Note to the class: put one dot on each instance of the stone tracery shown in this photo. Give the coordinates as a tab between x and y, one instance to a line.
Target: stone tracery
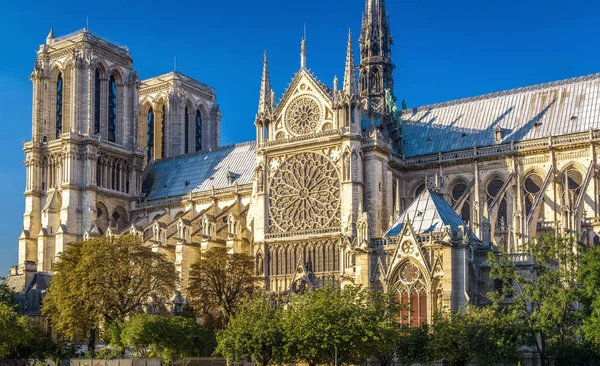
303	116
304	194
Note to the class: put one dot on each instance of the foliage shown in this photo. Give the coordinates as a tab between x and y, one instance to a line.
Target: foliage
254	332
319	323
589	280
21	337
412	343
483	335
103	280
166	337
7	295
544	302
218	280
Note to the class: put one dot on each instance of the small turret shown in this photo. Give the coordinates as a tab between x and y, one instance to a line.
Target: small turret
50	36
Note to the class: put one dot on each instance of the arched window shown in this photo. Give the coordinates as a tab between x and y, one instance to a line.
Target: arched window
198	138
162	132
532	187
112	109
186	128
412	295
150	135
59	104
493	189
457	191
97	102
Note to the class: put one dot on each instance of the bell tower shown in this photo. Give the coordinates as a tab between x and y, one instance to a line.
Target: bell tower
375	58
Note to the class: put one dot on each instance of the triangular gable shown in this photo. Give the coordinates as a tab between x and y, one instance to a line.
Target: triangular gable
318	87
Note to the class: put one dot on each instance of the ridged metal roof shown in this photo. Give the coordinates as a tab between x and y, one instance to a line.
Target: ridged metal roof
201	172
555	108
428	213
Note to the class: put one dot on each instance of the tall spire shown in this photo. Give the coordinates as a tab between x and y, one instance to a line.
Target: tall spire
303	53
350	73
265	103
375	57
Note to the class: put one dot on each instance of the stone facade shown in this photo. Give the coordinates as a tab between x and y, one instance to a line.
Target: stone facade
339	186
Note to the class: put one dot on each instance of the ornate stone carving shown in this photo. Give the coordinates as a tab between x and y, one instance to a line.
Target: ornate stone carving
303	115
304	194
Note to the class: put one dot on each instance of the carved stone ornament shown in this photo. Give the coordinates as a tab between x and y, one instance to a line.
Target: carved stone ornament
303	116
305	194
410	273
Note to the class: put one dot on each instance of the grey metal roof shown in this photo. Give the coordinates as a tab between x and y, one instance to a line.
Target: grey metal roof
201	171
555	108
428	213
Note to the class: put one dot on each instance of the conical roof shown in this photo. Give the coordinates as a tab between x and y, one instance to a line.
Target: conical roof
428	213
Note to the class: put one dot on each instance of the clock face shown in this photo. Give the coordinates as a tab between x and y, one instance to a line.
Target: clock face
303	116
410	273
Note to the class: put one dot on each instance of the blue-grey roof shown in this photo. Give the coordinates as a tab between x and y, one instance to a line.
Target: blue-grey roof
428	213
201	172
556	108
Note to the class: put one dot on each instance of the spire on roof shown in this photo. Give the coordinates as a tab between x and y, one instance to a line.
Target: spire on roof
303	53
50	35
265	103
350	70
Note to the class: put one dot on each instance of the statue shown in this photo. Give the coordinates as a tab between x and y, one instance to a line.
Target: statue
392	107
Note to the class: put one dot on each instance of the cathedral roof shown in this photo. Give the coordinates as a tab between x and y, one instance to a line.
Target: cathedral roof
556	108
428	213
199	172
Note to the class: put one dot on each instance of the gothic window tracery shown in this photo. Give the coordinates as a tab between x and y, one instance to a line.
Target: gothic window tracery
572	184
97	91
531	188
59	104
186	129
493	189
303	115
304	194
112	109
198	129
456	193
412	294
150	134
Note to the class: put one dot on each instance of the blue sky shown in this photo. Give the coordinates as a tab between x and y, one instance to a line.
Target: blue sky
443	50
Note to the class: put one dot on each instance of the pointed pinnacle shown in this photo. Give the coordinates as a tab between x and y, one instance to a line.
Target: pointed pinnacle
265	102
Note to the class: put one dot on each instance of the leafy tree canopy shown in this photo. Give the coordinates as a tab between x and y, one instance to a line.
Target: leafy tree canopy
254	332
104	280
218	280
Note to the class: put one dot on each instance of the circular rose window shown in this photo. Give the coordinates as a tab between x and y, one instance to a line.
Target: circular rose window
303	115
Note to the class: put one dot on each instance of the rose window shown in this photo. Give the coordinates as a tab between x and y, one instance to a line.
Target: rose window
410	273
304	194
303	116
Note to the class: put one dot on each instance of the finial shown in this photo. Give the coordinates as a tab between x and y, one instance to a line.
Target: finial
350	69
265	103
335	83
303	54
50	35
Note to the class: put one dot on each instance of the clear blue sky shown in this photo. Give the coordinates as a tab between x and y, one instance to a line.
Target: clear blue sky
443	50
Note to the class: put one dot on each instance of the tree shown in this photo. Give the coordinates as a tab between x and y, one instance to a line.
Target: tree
254	332
325	323
20	337
168	337
545	300
7	295
103	280
218	280
484	335
589	280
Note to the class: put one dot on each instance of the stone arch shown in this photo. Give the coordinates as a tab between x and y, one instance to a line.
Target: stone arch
499	215
457	189
532	184
411	287
417	189
119	218
102	217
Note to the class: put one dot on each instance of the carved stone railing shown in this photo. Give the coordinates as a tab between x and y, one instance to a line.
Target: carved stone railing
270	143
383	242
590	221
521	258
546	225
503	149
303	233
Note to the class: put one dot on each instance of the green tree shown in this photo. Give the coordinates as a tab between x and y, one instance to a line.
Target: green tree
166	337
589	280
544	300
254	332
20	336
483	335
412	345
322	323
104	280
218	280
7	295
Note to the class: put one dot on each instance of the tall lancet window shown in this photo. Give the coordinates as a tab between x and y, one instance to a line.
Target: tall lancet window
162	132
112	109
198	138
186	128
150	135
97	102
59	105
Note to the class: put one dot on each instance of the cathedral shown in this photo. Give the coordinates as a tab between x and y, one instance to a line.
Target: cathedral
340	185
